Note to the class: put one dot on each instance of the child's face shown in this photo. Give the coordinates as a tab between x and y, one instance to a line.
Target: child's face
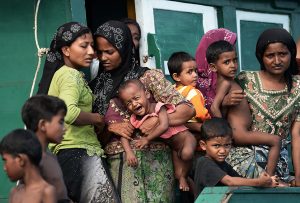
217	148
12	166
227	64
55	128
188	75
136	99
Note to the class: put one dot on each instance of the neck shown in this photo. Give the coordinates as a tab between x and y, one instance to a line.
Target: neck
43	140
272	77
32	175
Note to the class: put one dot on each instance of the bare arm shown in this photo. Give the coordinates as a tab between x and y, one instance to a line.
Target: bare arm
194	126
296	150
163	124
264	180
222	91
130	156
85	118
239	118
49	195
123	129
183	113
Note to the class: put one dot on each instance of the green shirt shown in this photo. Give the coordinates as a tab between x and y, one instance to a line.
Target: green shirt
69	85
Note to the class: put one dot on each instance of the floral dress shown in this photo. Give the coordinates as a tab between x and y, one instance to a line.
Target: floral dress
272	112
153	179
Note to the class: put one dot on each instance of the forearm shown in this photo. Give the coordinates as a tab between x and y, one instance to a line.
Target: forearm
273	159
126	145
296	151
238	181
85	118
194	126
183	113
158	131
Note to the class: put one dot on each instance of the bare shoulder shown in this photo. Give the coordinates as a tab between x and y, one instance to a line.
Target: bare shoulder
49	193
235	86
16	194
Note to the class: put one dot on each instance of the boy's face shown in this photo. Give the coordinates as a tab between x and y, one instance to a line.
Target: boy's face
135	99
12	166
55	128
217	148
188	75
226	65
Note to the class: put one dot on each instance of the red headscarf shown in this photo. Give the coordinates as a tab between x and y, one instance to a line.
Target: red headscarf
208	79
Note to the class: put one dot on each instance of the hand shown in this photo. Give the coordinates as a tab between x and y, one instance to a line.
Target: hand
99	123
131	159
149	125
141	142
122	129
233	98
265	180
275	181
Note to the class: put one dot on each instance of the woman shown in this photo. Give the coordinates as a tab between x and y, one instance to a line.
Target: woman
273	95
208	79
152	179
79	154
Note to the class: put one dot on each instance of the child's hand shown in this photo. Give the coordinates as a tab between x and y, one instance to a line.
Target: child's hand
131	159
265	180
142	142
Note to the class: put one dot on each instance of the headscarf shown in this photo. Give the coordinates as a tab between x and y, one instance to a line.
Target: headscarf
64	36
274	35
207	79
105	86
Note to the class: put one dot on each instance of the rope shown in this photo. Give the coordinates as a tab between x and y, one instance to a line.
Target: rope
41	51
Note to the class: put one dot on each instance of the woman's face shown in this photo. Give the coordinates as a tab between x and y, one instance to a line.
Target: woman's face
276	58
136	35
80	52
107	54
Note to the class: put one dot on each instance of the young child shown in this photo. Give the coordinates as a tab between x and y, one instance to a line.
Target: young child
22	152
212	169
136	98
44	115
222	58
183	70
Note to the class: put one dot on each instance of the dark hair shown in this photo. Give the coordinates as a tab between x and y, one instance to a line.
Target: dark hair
215	49
136	82
274	35
22	141
176	60
215	127
128	21
41	107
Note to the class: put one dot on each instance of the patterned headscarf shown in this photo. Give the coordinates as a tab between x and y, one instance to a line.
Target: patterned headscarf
106	83
208	79
274	35
64	36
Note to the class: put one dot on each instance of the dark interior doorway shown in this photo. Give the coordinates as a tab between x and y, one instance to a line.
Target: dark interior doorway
100	11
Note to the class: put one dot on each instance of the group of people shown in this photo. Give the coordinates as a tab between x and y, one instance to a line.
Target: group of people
117	137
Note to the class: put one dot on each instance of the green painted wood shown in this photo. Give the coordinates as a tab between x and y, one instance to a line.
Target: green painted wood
250	32
248	195
18	56
174	36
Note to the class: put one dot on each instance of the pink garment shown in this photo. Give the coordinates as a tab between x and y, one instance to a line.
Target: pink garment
171	130
208	79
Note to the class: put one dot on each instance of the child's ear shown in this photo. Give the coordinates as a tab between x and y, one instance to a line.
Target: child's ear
65	50
42	125
212	67
202	145
21	159
175	77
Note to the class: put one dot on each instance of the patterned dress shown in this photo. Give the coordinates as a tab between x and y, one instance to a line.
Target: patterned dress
272	112
153	179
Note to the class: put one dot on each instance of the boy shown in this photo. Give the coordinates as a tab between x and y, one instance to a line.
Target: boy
221	57
22	152
44	115
211	169
182	68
